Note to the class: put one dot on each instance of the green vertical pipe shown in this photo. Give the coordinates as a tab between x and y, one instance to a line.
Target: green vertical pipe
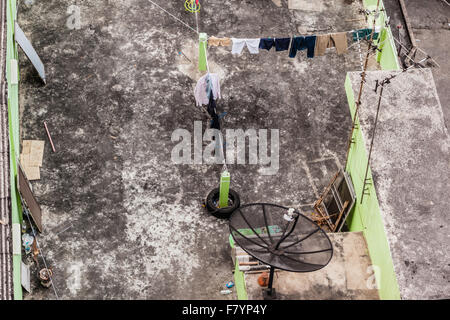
202	38
225	179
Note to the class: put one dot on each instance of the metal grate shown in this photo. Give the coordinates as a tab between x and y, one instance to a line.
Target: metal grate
336	201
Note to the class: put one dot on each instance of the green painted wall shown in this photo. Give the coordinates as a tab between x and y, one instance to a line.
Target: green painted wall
14	137
387	58
366	217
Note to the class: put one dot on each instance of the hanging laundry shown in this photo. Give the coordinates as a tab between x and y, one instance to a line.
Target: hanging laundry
282	44
212	110
302	43
215	123
333	40
322	44
224	42
208	86
340	42
208	83
239	44
266	43
365	34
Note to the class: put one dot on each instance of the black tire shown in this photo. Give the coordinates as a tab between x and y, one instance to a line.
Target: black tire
222	213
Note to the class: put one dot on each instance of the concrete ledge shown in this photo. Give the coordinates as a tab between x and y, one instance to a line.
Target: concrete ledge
349	275
409	165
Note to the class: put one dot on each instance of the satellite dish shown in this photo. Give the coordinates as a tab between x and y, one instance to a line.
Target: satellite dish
281	238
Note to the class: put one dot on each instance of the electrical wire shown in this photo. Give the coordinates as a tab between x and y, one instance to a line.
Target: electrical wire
196	31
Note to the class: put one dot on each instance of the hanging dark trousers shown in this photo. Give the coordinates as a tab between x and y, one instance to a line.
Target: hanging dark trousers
302	43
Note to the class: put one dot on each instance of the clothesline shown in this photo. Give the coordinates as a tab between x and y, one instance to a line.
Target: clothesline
209	84
184	23
316	45
377	30
196	31
210	81
196	20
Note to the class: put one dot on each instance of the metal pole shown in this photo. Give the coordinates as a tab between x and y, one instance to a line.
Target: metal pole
371	143
269	287
202	38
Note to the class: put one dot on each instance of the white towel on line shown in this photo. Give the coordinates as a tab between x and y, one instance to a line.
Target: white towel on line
239	44
200	89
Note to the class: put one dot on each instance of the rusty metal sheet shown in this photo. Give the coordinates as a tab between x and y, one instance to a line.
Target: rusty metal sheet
29	198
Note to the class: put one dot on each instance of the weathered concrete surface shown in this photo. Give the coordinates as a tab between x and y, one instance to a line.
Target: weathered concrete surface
410	168
431	27
348	276
122	221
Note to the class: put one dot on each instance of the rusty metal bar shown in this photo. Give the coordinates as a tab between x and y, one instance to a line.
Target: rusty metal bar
49	137
340	216
373	138
363	76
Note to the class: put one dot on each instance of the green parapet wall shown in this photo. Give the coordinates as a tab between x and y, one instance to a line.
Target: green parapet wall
366	217
14	138
239	280
387	58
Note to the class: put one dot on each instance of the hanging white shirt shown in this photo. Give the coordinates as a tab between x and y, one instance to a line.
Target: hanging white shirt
200	92
239	44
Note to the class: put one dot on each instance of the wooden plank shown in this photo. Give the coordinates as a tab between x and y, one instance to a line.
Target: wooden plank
32	173
29	198
408	23
36	153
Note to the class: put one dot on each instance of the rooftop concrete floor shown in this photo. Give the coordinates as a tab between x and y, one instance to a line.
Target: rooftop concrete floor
349	275
121	220
410	168
431	27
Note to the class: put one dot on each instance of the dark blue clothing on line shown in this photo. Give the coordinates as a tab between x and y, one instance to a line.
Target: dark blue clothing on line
282	44
364	34
266	43
302	43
